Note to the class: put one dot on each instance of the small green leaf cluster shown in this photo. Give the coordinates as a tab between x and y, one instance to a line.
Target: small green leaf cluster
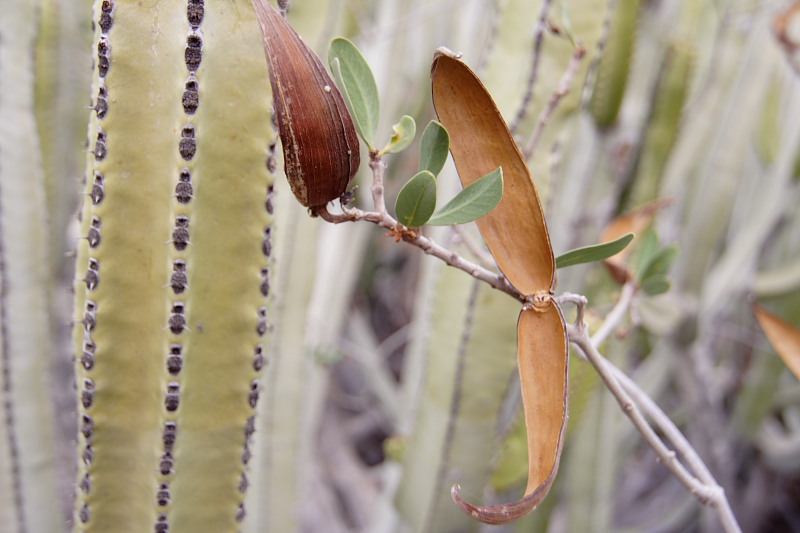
416	202
360	92
653	264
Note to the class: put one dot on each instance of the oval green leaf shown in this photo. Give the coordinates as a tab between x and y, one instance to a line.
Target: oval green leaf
434	148
477	200
655	285
404	132
659	264
416	200
597	252
355	79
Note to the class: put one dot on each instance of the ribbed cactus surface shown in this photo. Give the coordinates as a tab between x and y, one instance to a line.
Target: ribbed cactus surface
174	270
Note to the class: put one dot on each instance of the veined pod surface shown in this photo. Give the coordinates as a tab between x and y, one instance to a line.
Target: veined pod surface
320	146
517	236
172	295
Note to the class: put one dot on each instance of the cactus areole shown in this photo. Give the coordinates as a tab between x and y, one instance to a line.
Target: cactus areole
320	146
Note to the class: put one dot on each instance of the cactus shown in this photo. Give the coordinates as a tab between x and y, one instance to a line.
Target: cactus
614	65
664	122
174	268
29	501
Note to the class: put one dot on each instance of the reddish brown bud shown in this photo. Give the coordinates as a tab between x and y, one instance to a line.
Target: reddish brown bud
320	146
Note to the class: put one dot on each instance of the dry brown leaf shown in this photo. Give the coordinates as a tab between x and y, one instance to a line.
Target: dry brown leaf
516	234
320	146
785	26
636	222
480	142
543	369
784	337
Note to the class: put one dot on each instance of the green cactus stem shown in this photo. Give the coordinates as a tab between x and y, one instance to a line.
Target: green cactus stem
663	127
612	71
174	269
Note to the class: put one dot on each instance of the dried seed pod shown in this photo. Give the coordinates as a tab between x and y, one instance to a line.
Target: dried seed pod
320	146
517	236
480	142
543	370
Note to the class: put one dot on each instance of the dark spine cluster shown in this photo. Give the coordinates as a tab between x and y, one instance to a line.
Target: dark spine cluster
180	242
96	194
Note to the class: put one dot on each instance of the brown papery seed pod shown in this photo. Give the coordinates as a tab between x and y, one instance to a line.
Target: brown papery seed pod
320	146
516	233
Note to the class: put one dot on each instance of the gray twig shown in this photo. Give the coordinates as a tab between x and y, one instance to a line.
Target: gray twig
635	403
564	86
538	38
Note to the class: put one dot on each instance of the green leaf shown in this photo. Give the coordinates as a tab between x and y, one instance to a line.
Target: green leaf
360	92
404	132
659	264
656	285
646	250
416	200
596	252
473	202
434	148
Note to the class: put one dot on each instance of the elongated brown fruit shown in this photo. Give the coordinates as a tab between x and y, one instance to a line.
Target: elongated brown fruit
320	146
517	236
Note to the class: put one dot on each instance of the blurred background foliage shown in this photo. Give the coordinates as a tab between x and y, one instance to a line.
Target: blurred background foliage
392	376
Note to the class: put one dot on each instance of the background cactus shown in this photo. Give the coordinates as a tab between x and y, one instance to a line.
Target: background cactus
371	340
28	481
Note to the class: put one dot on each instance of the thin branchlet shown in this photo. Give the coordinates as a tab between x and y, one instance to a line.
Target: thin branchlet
637	405
382	218
538	39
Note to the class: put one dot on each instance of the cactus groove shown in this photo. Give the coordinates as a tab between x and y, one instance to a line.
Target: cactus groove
174	267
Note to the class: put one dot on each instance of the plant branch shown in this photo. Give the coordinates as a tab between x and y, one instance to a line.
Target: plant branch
634	403
378	170
616	315
480	253
538	38
564	86
414	236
